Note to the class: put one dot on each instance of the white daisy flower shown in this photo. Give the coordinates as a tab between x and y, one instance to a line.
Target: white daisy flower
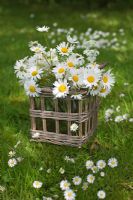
64	49
101	164
72	40
90	178
11	153
72	61
47	198
36	135
59	70
101	194
95	90
104	92
125	84
34	73
69	195
102	174
121	95
61	170
74	127
20	159
85	186
125	116
76	96
21	68
108	79
93	66
77	180
12	162
37	48
49	170
76	76
32	88
42	29
68	159
90	44
94	169
118	118
64	185
91	78
89	164
37	184
131	120
112	162
91	55
118	109
61	88
2	188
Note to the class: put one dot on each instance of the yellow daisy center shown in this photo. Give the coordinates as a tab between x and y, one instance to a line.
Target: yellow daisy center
70	64
69	194
34	73
37	49
32	88
62	88
66	184
90	79
64	49
91	178
75	78
61	70
105	79
103	90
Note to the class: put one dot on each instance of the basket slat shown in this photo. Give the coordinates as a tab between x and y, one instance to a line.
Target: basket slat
43	109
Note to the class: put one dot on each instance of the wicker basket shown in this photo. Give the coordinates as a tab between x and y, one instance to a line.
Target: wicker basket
52	118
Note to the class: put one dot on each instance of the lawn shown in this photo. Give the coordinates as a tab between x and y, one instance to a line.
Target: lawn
17	28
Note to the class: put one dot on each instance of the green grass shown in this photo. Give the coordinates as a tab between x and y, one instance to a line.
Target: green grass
110	140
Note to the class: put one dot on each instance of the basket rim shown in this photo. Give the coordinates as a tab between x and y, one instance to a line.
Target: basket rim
48	90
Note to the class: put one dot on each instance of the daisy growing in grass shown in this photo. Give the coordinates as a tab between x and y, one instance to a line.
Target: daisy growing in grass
112	162
77	180
64	69
42	29
37	184
90	178
64	185
101	194
12	162
69	195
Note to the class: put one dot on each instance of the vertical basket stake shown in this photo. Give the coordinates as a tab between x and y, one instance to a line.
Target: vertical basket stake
43	109
69	111
56	121
32	107
80	123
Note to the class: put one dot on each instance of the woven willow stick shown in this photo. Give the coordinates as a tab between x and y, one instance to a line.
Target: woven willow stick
44	123
86	110
89	108
80	124
33	119
69	111
56	120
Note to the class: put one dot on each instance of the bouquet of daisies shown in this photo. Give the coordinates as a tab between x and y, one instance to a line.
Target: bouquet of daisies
64	69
